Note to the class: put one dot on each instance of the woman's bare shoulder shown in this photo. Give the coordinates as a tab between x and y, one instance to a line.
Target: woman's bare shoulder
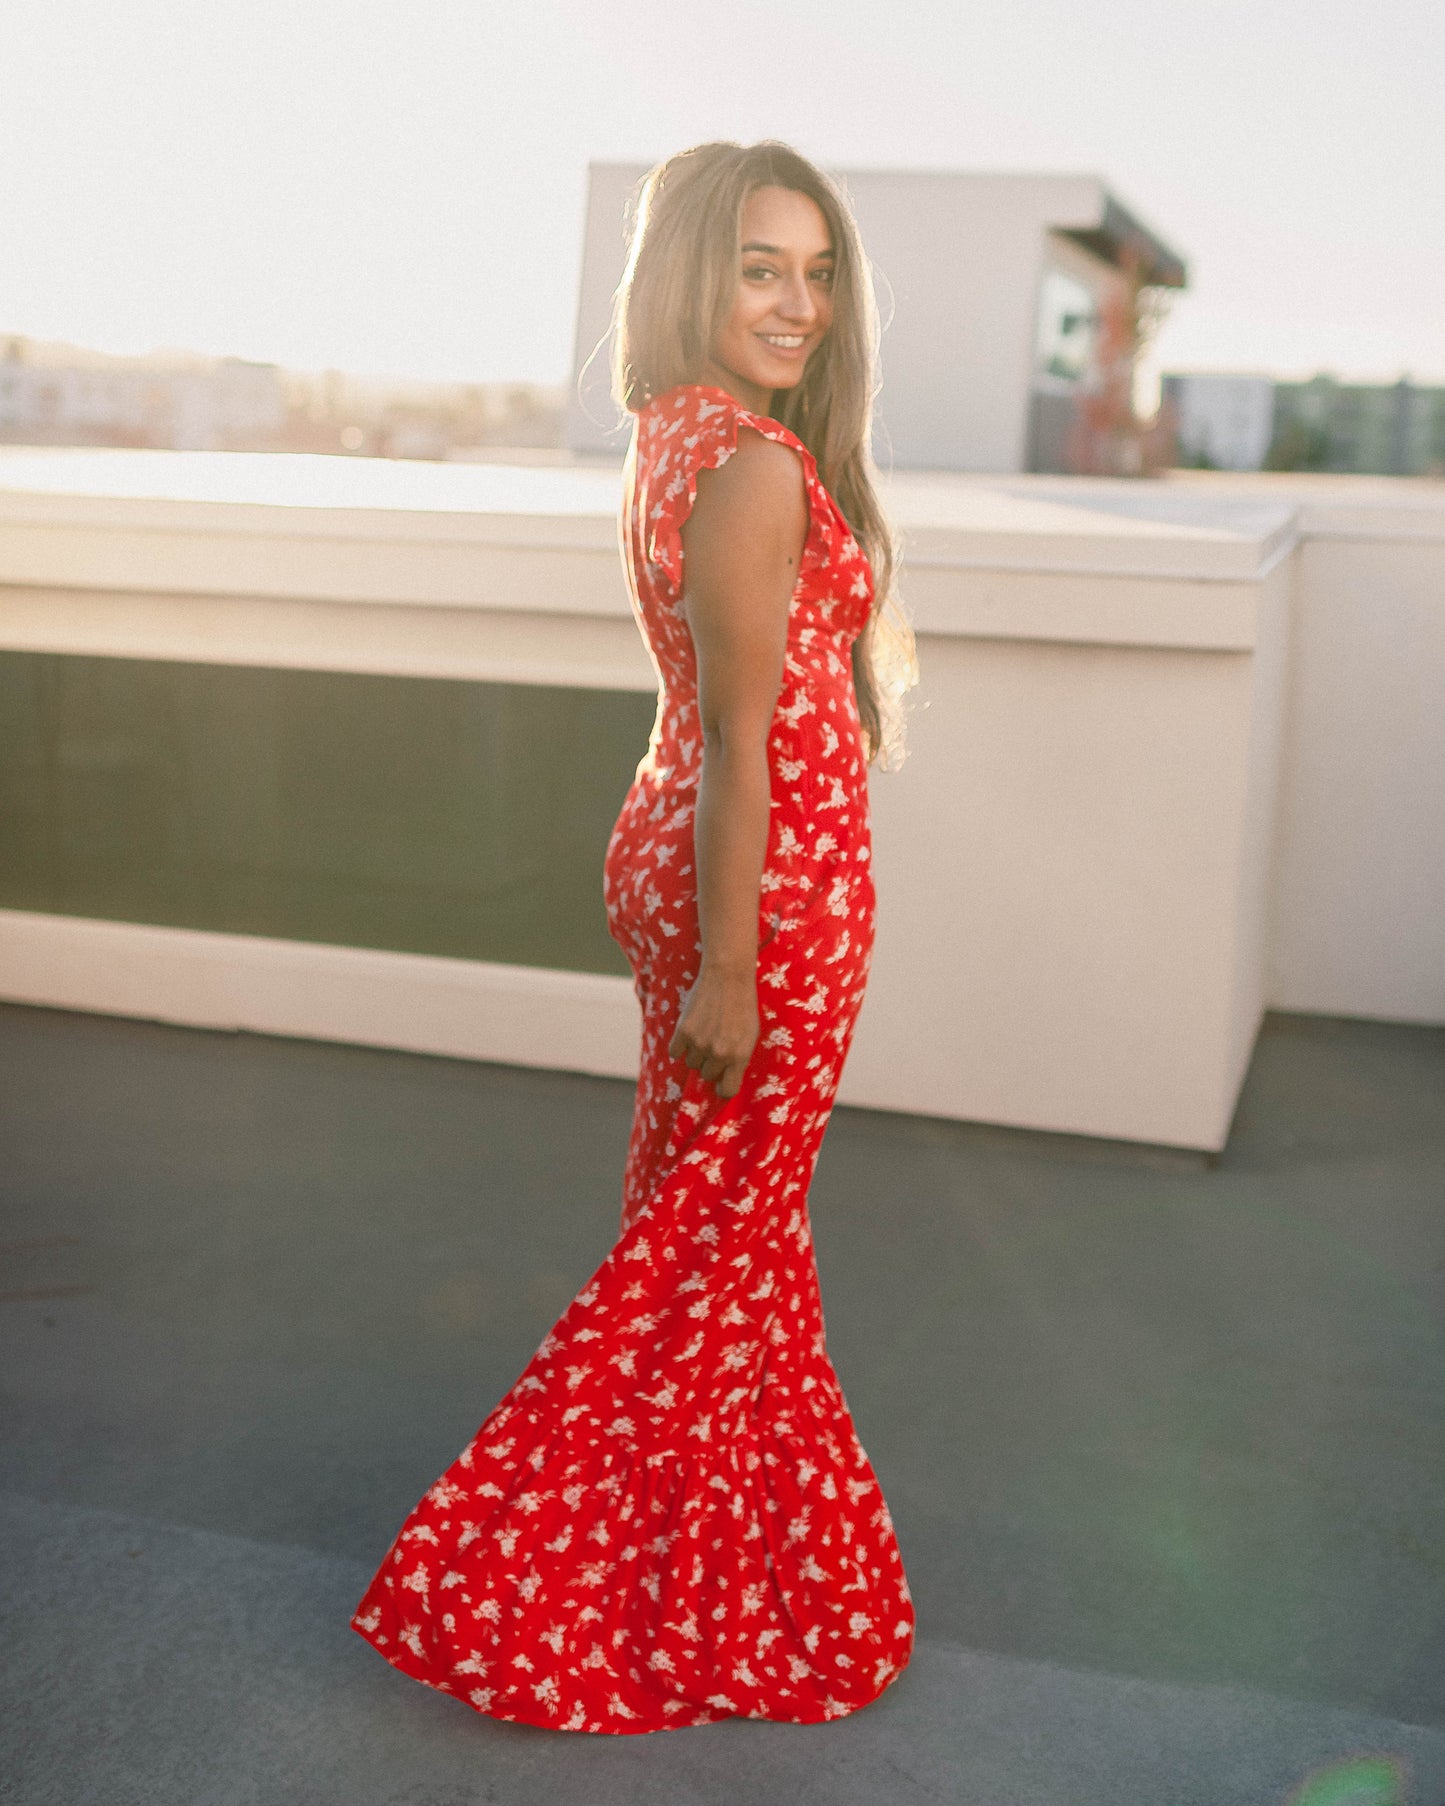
762	477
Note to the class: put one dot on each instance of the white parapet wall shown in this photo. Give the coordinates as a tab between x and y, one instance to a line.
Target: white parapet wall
1358	898
1175	758
1074	863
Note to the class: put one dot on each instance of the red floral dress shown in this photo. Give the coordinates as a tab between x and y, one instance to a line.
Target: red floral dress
669	1518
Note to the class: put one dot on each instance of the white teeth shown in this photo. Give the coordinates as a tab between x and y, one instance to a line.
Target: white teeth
776	338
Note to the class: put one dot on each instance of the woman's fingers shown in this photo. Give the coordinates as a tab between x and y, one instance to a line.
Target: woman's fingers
724	1070
730	1074
709	1039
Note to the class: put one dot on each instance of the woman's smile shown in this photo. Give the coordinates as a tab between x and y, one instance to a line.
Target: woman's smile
785	344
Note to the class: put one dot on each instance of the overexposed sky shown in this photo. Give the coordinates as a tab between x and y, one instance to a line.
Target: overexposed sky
399	188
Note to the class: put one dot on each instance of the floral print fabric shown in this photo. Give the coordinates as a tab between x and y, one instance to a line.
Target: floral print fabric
669	1518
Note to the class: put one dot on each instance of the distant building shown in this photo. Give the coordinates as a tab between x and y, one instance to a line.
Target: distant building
1009	341
58	394
68	395
45	403
233	403
1221	422
1395	429
1255	423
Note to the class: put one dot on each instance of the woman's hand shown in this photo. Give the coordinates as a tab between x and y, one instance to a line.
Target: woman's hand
719	1026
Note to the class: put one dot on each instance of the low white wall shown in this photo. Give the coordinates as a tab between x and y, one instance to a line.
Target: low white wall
1358	925
1074	934
468	1009
1175	759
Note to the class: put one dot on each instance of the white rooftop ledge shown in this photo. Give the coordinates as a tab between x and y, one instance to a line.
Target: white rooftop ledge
1151	563
960	521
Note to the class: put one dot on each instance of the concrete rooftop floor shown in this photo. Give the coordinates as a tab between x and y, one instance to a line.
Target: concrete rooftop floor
1162	1437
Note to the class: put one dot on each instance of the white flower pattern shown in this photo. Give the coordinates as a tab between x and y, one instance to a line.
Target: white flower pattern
669	1518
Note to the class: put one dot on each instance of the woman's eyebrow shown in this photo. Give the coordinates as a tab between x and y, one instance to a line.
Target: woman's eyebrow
776	251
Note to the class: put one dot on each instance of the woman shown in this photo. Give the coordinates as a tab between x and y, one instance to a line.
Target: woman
669	1518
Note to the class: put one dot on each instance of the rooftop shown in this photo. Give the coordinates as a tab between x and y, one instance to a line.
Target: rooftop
1161	1433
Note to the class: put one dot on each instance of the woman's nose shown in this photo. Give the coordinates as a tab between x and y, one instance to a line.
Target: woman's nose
796	302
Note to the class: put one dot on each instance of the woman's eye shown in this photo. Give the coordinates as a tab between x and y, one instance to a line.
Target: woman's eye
761	272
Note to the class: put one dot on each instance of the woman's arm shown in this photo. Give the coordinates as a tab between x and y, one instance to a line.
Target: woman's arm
741	547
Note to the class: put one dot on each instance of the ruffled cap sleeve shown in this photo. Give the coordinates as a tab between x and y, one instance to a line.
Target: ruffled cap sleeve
701	436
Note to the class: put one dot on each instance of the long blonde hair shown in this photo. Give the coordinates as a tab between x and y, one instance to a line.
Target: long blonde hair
674	298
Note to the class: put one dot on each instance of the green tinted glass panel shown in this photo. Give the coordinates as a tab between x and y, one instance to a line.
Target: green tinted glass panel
416	814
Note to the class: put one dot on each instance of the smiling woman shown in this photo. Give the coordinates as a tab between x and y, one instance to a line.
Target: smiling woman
669	1518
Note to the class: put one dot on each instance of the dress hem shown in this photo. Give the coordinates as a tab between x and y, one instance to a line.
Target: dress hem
404	1664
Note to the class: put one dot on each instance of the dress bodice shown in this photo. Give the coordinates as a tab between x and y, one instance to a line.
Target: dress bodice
686	430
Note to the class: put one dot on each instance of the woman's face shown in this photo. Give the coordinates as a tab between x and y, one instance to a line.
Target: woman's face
783	306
